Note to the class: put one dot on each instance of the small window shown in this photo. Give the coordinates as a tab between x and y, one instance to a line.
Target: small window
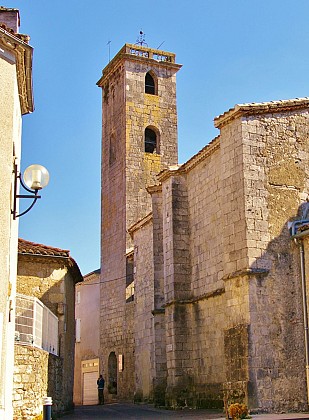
150	84
150	141
130	278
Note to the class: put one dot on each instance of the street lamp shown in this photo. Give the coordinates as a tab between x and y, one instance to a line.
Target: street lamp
35	178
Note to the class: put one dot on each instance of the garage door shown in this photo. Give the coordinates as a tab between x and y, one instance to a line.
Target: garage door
90	389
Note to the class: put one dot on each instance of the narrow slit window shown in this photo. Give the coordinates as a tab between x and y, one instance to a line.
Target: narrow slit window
150	141
150	84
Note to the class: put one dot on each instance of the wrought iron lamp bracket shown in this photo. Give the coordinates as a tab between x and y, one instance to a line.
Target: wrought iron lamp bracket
33	194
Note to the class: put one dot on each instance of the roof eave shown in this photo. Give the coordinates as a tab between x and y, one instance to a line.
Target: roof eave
23	53
249	109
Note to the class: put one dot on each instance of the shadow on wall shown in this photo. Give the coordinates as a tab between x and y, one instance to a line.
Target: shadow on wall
275	334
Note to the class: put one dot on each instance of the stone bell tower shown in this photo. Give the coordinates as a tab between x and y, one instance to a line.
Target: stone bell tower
139	139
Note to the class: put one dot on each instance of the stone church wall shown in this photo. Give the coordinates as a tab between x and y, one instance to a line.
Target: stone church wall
246	325
217	311
233	327
206	199
234	245
206	309
276	182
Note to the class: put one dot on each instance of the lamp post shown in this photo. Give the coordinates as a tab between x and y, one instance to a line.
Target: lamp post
35	178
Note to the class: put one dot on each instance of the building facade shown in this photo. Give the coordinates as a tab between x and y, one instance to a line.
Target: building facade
202	306
87	341
48	275
16	99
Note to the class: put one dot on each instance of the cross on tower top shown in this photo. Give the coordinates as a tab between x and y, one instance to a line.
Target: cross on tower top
141	39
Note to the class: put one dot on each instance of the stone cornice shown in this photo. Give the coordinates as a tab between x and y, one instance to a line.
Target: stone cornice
196	299
168	172
141	223
23	53
158	311
152	189
191	163
245	110
202	154
247	272
144	55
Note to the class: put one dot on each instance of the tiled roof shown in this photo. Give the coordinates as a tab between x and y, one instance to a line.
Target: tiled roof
27	247
22	37
92	274
260	108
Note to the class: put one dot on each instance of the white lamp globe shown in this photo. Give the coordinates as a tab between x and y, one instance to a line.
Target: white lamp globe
36	177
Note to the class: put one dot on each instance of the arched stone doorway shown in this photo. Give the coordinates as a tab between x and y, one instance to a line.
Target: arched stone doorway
112	373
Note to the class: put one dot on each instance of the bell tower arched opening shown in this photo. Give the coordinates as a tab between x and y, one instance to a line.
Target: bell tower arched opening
151	84
151	138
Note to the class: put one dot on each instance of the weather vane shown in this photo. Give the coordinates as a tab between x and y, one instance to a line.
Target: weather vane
141	39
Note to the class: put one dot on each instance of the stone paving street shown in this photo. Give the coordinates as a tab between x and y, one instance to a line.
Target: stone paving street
133	411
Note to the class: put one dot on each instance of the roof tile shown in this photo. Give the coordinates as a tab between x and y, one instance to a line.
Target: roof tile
27	247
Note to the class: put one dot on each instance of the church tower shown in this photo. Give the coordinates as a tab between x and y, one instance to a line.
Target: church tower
139	139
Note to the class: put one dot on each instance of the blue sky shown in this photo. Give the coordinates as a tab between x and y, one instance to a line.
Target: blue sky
232	51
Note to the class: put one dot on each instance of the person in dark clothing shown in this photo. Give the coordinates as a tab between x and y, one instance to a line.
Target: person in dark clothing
100	383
